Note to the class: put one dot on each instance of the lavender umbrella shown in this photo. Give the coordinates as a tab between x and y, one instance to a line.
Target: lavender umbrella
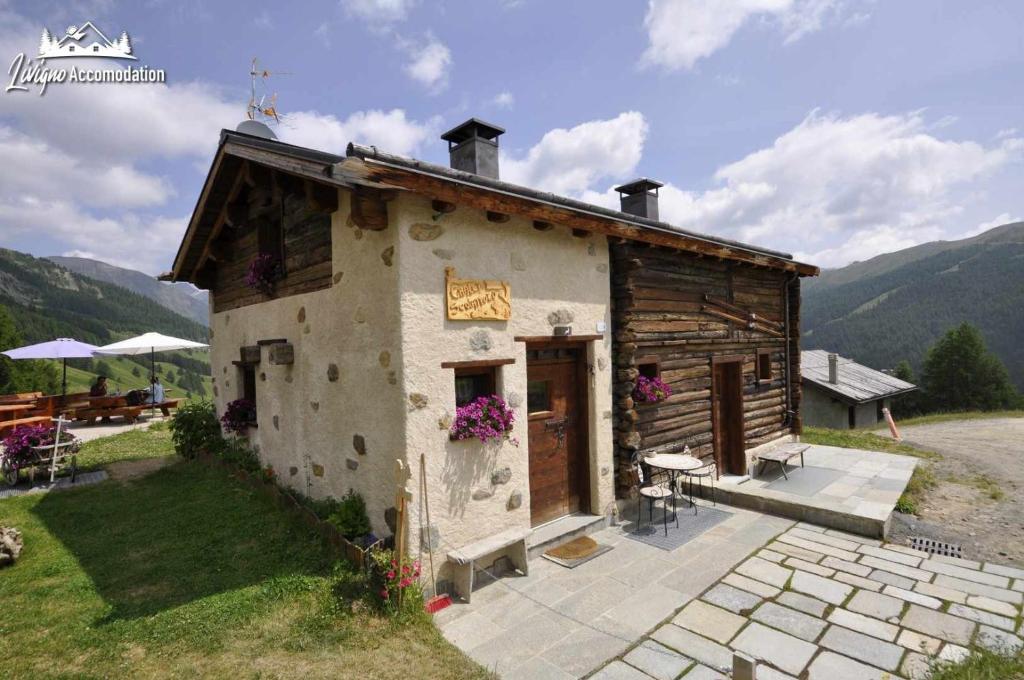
61	348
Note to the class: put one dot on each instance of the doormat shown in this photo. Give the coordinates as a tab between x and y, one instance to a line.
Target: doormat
804	481
576	552
690	527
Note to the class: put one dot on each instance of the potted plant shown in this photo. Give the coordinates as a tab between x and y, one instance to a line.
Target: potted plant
239	416
485	418
650	390
264	272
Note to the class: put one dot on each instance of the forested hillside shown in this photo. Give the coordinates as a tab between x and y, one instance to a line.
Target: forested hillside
46	301
895	306
183	298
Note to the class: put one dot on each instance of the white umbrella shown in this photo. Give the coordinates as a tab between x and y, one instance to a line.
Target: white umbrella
149	343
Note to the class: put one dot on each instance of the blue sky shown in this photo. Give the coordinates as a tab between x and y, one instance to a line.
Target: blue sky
833	129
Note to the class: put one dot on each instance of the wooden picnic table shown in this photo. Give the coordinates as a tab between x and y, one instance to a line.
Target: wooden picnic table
11	411
781	456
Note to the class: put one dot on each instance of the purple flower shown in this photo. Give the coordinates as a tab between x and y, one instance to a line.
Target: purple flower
485	418
264	271
18	444
650	390
239	415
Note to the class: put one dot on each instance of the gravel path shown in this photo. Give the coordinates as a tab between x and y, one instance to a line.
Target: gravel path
980	458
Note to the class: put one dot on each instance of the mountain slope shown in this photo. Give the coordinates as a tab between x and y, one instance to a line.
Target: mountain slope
183	298
895	306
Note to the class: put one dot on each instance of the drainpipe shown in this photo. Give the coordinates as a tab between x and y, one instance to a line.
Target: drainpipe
789	388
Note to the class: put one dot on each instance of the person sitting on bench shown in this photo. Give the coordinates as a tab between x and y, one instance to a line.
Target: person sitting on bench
99	388
156	391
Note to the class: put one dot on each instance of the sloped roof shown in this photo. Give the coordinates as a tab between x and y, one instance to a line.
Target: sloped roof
857	383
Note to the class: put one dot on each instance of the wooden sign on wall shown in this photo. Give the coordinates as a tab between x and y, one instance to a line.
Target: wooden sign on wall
476	299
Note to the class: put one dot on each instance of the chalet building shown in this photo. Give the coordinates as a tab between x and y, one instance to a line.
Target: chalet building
842	394
409	288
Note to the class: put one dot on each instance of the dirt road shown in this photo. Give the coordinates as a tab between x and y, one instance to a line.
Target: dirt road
979	500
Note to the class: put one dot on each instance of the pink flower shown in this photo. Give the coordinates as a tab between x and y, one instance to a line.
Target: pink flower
384	593
391	574
404	583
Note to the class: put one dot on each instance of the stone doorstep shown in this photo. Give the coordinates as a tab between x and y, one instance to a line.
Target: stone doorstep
965	574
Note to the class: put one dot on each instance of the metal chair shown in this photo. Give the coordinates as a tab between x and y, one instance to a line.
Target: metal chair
709	471
652	492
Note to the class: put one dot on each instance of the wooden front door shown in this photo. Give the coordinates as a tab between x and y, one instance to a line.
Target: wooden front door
727	415
557	408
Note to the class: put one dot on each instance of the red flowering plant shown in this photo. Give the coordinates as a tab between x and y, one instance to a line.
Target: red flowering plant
16	447
650	390
239	416
486	418
395	582
264	271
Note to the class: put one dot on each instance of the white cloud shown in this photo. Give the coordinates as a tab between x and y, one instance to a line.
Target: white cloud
836	189
571	161
378	11
390	130
997	221
429	64
503	100
682	32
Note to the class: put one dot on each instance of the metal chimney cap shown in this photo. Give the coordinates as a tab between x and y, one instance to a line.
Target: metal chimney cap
474	127
639	185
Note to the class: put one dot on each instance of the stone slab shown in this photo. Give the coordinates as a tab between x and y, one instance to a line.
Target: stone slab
821	588
803	603
584	649
765	571
825	538
891	555
896	568
797	563
999	640
994	606
972	588
843	565
924	644
795	551
813	546
940	592
966	574
657	661
892	579
863	648
863	624
710	621
733	599
938	624
876	605
781	650
829	666
770	555
694	646
979	616
789	620
916	667
701	672
857	581
618	670
1001	570
911	596
750	585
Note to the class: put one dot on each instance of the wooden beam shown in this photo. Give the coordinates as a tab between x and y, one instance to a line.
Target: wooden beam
541	225
322	198
498	217
557	339
369	209
443	207
480	363
245	171
510	203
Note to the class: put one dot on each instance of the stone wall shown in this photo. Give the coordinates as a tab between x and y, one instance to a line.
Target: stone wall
334	419
477	490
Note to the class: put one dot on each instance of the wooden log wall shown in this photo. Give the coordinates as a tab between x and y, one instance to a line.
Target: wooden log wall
297	229
661	314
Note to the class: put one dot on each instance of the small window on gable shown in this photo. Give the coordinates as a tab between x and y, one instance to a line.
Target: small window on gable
95	48
764	364
649	367
471	383
71	48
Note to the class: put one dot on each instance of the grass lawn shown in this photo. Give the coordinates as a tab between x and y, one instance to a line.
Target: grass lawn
184	573
153	442
982	665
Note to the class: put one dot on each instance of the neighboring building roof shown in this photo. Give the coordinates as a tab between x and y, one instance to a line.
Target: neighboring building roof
857	383
366	166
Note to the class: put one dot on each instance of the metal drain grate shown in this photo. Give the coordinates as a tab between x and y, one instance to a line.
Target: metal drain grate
934	547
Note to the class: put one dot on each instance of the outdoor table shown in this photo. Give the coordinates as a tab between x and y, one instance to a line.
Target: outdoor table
674	463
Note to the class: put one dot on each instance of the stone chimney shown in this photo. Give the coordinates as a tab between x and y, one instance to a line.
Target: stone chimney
473	147
640	197
833	368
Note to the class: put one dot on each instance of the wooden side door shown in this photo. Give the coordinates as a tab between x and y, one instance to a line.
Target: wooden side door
556	407
727	414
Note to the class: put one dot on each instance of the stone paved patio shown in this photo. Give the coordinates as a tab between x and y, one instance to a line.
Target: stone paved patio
822	604
560	623
847	489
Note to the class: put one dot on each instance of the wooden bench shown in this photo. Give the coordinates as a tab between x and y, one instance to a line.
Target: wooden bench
8	425
129	413
166	405
465	557
782	455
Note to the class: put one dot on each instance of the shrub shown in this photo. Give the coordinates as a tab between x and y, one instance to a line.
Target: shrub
239	415
485	418
395	583
350	516
195	429
236	450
